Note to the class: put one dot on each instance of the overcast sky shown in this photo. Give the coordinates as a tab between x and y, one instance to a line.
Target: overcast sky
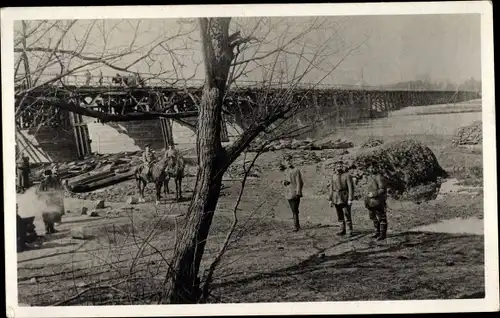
394	48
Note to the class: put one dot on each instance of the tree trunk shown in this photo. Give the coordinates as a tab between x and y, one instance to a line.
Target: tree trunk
182	286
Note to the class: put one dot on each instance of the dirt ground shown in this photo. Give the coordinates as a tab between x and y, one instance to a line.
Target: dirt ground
125	257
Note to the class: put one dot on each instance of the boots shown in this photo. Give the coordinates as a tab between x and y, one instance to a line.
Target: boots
296	222
342	229
377	229
349	228
383	232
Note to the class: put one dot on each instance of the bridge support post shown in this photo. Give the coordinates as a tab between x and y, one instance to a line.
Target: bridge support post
167	133
82	137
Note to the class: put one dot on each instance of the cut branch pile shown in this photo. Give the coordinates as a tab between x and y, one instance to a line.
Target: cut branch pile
469	135
405	164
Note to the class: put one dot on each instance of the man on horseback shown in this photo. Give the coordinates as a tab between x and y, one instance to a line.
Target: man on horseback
171	152
148	158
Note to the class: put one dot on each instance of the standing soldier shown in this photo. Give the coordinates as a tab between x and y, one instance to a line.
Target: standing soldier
148	158
376	202
293	188
88	77
23	173
341	195
100	78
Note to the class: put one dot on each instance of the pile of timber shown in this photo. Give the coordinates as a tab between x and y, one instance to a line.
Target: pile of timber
99	171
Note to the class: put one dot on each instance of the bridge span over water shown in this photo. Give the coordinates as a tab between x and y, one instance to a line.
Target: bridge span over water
40	122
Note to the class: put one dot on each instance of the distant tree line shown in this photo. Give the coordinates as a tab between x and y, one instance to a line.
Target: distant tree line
470	84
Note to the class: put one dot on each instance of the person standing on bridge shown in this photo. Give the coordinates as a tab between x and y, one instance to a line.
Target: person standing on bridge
100	77
341	196
376	202
148	158
293	188
88	77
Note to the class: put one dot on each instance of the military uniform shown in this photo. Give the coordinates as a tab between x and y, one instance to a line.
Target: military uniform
377	205
293	192
23	174
341	194
148	159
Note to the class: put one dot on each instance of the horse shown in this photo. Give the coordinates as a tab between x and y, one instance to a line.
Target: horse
175	170
157	176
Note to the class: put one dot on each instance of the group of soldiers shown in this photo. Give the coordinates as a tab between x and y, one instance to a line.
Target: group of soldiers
341	196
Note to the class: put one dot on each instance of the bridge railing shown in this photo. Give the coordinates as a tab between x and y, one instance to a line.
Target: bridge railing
82	80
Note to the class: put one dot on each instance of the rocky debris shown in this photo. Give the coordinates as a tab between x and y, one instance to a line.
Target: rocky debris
81	233
100	205
294	144
84	210
469	135
332	154
371	143
94	214
237	171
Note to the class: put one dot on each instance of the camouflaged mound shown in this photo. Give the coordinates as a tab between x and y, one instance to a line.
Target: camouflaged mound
470	135
405	164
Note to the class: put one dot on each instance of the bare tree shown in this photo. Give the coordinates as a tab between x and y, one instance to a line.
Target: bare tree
224	63
55	52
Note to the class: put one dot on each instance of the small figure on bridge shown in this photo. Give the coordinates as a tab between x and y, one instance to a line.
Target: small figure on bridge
100	78
88	78
376	202
148	158
23	173
341	195
293	188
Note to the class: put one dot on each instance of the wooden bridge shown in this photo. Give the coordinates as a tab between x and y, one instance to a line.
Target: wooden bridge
345	104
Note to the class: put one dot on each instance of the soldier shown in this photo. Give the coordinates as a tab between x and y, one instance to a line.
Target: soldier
88	77
293	188
376	202
341	195
148	158
23	173
171	152
100	78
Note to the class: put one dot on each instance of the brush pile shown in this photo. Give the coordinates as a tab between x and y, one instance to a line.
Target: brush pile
469	135
405	165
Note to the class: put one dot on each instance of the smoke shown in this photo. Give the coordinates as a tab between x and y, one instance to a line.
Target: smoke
34	204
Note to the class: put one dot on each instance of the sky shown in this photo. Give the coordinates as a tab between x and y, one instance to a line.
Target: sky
389	49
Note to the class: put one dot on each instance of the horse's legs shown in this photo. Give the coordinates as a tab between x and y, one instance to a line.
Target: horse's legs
167	180
178	188
158	190
142	188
